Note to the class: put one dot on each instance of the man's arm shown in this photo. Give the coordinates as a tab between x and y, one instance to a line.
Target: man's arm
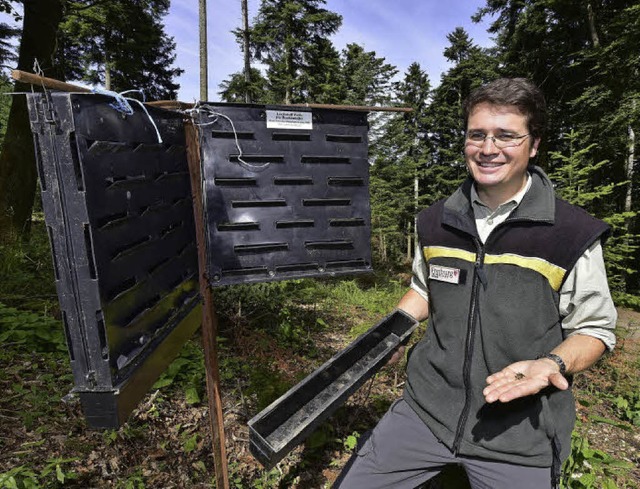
589	317
415	305
578	352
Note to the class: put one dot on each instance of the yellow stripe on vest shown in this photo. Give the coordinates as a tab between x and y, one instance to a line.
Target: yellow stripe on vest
431	252
553	273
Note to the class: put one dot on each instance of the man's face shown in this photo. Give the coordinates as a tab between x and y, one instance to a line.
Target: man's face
499	173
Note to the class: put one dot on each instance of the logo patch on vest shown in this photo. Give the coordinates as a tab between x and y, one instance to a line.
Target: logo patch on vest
444	274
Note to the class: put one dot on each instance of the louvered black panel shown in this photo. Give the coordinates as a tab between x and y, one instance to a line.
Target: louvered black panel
294	203
118	208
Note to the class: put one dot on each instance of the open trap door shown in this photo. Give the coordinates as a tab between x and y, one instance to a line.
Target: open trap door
285	192
118	209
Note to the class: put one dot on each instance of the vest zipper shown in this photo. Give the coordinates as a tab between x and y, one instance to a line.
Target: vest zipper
478	277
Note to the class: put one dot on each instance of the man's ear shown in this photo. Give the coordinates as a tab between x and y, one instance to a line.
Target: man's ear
534	148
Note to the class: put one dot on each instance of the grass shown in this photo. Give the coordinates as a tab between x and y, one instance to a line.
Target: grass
271	336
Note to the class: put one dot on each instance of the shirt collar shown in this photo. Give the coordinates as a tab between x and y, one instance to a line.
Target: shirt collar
513	201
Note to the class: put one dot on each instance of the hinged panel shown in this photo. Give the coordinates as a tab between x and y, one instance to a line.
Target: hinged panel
286	192
118	209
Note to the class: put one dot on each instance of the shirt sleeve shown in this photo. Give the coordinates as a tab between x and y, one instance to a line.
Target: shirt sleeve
420	275
585	304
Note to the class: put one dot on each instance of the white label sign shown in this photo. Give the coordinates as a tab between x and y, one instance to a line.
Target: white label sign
285	119
444	274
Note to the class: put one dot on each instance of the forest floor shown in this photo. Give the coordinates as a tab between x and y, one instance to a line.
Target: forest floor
45	441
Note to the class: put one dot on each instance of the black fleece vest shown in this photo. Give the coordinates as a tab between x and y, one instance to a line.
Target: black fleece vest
500	307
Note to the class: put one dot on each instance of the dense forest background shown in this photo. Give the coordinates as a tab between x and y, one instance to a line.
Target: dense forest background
584	56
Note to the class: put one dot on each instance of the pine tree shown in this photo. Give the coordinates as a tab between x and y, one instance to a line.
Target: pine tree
573	177
321	78
17	160
472	67
367	78
235	88
120	45
399	158
284	36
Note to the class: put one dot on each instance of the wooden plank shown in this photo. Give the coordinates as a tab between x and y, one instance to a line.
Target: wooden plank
359	108
209	318
43	81
25	77
176	105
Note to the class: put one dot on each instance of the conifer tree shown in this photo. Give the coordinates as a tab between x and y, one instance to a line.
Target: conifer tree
573	176
367	78
120	45
284	35
584	57
472	67
235	88
321	79
399	158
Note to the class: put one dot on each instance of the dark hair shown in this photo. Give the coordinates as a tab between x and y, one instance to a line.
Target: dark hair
518	92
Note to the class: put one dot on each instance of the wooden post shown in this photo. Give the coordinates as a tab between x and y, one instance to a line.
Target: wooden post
245	49
204	62
209	318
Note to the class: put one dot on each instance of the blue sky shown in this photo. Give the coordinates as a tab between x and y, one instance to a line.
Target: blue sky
402	31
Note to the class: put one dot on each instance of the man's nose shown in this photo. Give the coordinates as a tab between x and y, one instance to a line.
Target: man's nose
489	145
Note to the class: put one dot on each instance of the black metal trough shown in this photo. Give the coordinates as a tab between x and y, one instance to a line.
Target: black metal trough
285	423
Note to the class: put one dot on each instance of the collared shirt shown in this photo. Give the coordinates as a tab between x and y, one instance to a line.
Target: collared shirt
585	303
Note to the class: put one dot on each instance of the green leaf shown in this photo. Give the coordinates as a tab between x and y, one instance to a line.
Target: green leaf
191	443
612	422
162	382
192	395
350	442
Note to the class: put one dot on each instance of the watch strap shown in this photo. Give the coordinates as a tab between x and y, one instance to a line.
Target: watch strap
557	360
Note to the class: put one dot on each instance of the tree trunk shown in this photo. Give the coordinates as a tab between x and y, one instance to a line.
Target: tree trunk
18	173
632	154
409	240
107	76
592	26
383	247
204	67
287	93
416	196
245	47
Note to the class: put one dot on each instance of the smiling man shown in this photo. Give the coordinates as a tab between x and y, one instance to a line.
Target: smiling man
513	283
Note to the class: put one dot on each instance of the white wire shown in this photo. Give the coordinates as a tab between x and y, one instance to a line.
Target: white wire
125	107
207	109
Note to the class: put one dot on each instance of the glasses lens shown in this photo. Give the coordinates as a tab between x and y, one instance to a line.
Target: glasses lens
500	142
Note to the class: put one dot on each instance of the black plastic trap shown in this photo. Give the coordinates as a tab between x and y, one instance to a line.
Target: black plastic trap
285	423
285	192
118	210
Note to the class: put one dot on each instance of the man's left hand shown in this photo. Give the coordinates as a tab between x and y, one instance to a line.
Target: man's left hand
523	379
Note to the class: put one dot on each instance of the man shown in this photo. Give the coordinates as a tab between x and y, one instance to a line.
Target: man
512	280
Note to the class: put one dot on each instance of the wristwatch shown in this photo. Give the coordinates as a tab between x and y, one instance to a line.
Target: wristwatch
555	358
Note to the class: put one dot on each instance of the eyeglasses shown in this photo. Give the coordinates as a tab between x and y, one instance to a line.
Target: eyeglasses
501	141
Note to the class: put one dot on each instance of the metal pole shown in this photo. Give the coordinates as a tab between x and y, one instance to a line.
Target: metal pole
204	70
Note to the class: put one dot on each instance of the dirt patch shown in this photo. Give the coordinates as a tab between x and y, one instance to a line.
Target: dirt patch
629	324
